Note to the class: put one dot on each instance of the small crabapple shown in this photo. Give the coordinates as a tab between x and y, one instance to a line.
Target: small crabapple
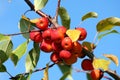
36	36
46	46
67	43
64	54
47	34
55	57
86	64
83	33
96	74
56	36
42	23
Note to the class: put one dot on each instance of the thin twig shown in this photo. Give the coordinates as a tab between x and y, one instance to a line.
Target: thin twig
88	53
27	12
56	15
39	12
27	73
95	38
20	33
16	33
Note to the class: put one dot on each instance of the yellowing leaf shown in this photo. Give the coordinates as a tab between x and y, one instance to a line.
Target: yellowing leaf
101	64
34	20
46	72
113	58
73	34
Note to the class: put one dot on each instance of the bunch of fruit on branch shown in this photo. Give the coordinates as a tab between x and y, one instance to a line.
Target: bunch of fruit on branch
57	42
54	40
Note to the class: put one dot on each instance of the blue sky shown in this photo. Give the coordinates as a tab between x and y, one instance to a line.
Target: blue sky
10	14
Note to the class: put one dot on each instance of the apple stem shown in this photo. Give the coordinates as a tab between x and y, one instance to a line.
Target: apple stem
56	15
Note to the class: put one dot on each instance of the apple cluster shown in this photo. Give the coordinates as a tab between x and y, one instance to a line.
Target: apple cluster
96	74
55	41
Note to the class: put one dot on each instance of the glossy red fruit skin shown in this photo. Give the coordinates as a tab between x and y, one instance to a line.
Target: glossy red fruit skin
56	47
83	33
62	29
36	36
42	23
56	36
55	57
70	60
77	48
67	43
47	34
86	64
64	54
46	46
96	74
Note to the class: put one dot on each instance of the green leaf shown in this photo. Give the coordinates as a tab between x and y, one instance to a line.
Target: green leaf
66	70
87	45
65	18
108	24
25	26
2	68
102	35
32	58
46	77
6	46
66	74
3	37
3	57
39	4
88	76
19	52
90	15
5	50
87	49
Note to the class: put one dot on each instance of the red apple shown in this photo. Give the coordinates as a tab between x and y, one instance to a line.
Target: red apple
64	54
83	33
62	29
47	34
56	36
36	36
96	74
70	60
67	43
86	64
46	46
55	57
42	23
77	48
56	47
82	54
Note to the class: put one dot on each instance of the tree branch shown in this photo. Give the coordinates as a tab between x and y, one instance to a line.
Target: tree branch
39	12
113	74
88	53
20	33
27	73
